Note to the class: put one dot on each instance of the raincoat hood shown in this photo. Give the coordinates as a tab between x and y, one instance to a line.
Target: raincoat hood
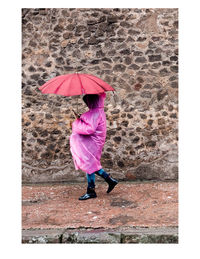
94	100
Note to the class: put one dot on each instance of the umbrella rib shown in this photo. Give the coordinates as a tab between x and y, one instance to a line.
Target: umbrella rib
80	82
59	87
71	81
95	82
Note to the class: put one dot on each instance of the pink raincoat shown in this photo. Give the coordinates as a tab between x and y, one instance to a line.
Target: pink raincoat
88	137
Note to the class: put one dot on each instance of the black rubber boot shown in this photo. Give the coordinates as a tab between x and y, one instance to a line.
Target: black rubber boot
111	183
90	194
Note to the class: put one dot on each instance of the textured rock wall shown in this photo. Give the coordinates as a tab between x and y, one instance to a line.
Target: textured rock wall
136	52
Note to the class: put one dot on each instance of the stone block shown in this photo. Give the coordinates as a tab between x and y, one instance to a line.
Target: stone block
39	236
91	237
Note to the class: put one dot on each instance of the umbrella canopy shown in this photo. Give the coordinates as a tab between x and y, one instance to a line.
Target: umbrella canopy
75	84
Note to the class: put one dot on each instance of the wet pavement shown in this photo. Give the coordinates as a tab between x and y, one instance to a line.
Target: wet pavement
130	204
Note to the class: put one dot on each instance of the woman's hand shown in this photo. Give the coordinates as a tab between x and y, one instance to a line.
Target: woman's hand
76	114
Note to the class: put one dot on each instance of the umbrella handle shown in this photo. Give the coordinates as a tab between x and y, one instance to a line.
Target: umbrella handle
77	105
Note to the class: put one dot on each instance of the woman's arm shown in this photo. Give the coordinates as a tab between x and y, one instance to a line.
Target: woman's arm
87	123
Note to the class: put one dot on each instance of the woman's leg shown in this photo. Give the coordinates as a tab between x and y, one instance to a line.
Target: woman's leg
111	182
91	180
102	173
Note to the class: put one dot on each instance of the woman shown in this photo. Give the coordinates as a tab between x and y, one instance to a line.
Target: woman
87	141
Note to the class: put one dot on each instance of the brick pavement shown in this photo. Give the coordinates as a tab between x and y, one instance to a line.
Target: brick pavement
131	205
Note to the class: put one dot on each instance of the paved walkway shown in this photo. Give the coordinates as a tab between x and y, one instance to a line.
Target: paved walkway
129	205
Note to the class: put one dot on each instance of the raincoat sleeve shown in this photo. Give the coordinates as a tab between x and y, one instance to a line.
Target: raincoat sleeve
86	125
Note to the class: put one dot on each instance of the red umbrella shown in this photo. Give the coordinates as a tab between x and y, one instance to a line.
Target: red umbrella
75	84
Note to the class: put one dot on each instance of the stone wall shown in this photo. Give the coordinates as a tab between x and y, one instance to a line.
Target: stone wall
136	52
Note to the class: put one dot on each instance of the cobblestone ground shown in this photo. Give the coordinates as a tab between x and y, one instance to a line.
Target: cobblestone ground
129	205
